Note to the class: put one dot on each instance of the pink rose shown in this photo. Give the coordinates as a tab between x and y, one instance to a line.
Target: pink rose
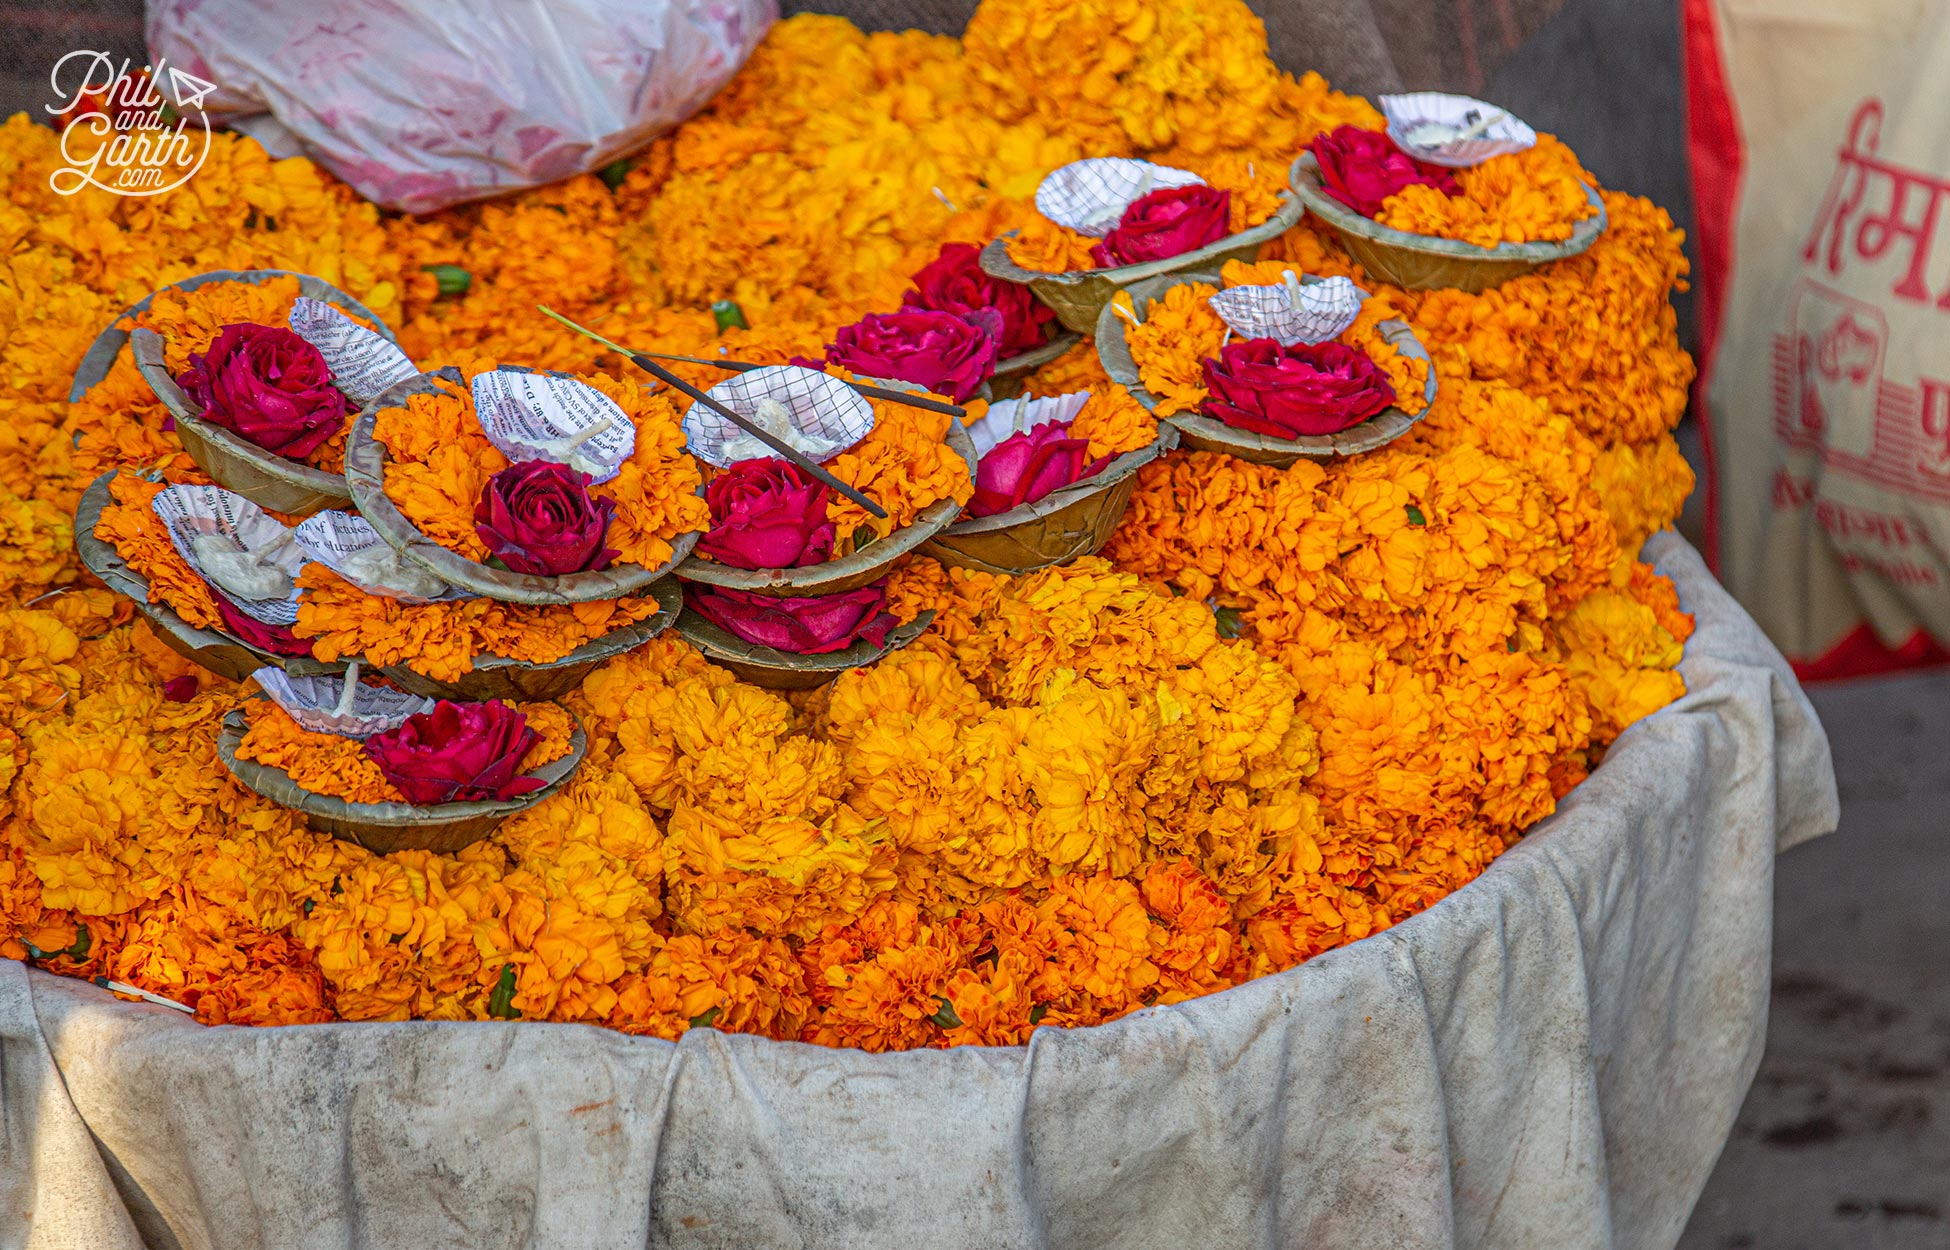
274	639
1315	388
457	753
767	514
180	689
267	386
954	282
537	517
1167	222
949	354
1361	168
1027	466
812	625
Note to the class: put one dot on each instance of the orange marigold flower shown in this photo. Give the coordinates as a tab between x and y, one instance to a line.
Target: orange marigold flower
1536	195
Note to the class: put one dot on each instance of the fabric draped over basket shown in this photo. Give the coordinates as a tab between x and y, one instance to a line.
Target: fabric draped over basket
1550	1057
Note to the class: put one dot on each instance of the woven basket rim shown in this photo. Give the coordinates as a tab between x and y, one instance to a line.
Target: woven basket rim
1030	361
365	469
1390	423
262	780
1120	467
936	517
100	356
716	643
149	349
1305	179
105	562
996	262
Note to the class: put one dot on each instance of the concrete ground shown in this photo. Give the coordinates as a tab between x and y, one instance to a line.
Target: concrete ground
1844	1142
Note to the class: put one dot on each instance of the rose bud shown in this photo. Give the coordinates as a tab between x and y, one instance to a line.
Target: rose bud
1361	168
274	639
767	514
537	517
457	753
1024	467
813	625
1167	222
954	282
950	354
267	386
1315	388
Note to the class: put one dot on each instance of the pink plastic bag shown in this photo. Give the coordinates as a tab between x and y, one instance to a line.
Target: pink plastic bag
424	103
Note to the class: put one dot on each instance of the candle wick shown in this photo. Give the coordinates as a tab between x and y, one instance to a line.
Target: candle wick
351	688
583	436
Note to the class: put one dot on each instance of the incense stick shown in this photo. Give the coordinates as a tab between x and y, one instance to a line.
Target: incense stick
887	393
657	371
118	987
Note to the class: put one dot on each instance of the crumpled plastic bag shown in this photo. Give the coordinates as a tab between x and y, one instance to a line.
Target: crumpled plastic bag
424	103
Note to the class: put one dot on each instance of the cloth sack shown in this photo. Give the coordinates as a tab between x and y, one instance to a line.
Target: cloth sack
1822	170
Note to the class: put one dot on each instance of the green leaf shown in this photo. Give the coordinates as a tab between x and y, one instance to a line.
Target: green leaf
706	1020
308	906
946	1016
729	314
77	952
454	281
501	999
1415	516
1513	642
864	538
1037	1013
613	173
1231	624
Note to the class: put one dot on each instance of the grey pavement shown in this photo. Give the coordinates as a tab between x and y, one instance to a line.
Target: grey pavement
1844	1142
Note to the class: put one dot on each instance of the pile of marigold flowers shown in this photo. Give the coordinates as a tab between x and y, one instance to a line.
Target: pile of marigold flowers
1531	196
1282	711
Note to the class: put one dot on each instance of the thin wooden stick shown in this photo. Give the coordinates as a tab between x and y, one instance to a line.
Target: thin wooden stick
670	379
118	987
887	393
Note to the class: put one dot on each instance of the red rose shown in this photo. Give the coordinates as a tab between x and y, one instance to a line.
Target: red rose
1361	168
955	283
807	626
950	354
1309	388
1167	222
767	514
267	386
180	689
537	517
1024	467
274	639
457	753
